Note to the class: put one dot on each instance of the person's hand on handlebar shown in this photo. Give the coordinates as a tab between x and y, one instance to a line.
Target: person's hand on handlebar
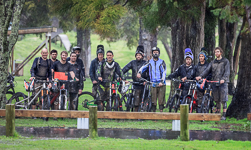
76	79
100	78
49	86
79	91
222	81
94	82
161	84
31	78
138	75
126	82
198	78
184	79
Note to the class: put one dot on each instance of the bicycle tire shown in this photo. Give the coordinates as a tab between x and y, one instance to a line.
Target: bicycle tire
61	102
174	103
149	104
115	103
16	98
187	100
85	98
128	104
204	104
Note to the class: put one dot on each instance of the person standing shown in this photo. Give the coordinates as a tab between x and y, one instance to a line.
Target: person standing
135	65
220	69
40	70
94	67
157	72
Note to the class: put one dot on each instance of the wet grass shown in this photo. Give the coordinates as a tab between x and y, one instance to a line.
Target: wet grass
110	143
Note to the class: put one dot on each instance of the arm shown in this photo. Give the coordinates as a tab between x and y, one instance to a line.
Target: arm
82	67
118	71
163	71
127	67
207	71
92	71
81	84
175	74
99	71
49	69
33	67
226	71
144	68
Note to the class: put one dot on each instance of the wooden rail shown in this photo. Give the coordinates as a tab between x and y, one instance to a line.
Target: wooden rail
111	115
249	116
35	30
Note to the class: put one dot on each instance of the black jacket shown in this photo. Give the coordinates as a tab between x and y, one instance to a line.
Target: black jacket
135	66
81	64
35	67
220	70
182	72
93	69
199	68
77	71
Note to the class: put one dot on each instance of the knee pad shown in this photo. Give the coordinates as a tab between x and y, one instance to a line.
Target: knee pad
161	107
224	105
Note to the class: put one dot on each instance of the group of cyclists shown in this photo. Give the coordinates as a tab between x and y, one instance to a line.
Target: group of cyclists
103	71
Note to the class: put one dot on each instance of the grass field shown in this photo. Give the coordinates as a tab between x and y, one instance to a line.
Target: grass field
110	143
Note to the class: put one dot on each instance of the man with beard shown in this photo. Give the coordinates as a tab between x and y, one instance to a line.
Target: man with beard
63	68
220	69
76	87
94	67
135	65
106	73
199	68
157	72
40	70
54	54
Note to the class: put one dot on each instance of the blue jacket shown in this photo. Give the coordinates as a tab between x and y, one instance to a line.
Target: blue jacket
157	70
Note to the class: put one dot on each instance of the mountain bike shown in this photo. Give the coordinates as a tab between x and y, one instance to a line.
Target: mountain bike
26	101
191	97
176	99
146	101
207	100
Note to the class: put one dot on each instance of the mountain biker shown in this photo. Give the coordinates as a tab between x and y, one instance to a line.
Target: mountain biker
185	71
199	68
61	69
40	70
75	88
106	73
54	54
94	67
220	69
135	65
77	50
157	72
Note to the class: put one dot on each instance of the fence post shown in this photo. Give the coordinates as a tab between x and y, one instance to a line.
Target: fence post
184	122
10	119
93	122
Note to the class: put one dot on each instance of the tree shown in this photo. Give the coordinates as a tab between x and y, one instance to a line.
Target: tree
10	13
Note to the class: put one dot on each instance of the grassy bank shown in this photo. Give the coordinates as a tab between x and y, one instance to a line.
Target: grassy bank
109	143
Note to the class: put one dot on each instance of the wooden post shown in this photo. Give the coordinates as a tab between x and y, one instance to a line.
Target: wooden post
49	45
93	122
10	119
184	122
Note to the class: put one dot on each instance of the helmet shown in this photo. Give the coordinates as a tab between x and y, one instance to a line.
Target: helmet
100	49
188	53
155	49
76	48
140	50
203	52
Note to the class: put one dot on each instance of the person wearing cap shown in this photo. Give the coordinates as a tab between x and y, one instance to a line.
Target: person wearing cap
185	71
220	69
135	65
94	66
79	61
156	68
199	68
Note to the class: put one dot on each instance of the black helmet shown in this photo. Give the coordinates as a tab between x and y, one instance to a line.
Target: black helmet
140	50
100	49
155	49
76	48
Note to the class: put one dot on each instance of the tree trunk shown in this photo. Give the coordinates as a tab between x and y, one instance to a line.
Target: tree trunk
247	8
140	31
195	34
238	47
80	38
11	11
222	33
148	41
87	51
209	29
231	34
241	102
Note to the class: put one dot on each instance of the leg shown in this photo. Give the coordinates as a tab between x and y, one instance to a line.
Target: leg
154	98
216	96
161	97
224	99
137	98
199	100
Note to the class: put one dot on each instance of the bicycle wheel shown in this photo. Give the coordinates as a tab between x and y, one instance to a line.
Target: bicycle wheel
19	96
84	99
148	104
61	102
205	104
46	104
188	100
128	103
174	104
115	103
